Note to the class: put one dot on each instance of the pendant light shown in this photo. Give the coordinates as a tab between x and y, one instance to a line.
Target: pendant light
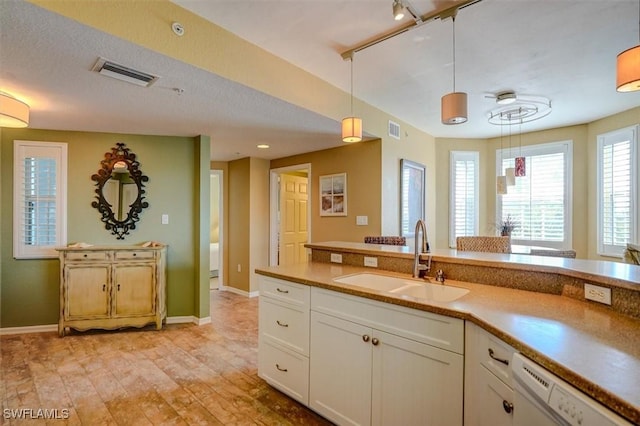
521	162
13	113
454	105
351	126
501	180
628	70
510	172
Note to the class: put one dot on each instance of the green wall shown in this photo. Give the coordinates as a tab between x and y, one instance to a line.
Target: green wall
29	289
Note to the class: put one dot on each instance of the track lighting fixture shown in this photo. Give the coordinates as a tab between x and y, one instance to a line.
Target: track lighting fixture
398	10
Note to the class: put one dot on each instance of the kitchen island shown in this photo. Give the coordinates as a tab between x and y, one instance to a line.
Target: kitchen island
594	347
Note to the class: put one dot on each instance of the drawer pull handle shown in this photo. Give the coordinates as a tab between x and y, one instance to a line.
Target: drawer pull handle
508	407
491	354
365	338
282	291
375	341
281	369
281	324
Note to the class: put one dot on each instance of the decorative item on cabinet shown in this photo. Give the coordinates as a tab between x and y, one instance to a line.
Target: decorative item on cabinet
111	287
120	191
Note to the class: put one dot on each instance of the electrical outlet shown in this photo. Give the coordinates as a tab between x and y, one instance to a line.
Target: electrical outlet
336	258
239	268
371	261
164	219
597	293
362	220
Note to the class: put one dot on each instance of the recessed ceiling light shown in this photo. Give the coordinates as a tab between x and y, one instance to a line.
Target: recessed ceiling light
263	146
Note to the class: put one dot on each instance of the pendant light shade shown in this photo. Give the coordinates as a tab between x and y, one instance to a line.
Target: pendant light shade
351	126
628	72
454	108
351	129
13	113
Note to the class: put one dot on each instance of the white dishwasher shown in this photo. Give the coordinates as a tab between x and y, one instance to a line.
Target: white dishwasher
541	399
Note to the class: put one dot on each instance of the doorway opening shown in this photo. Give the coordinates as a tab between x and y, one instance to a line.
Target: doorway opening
216	234
290	214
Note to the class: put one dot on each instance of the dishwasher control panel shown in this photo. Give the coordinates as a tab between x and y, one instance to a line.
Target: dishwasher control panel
556	400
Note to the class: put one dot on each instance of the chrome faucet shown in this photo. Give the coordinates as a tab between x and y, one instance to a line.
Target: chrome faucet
421	246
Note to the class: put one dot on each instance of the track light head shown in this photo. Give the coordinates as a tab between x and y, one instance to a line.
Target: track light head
398	10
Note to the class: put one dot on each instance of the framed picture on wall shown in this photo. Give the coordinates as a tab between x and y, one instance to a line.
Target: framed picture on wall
412	196
333	195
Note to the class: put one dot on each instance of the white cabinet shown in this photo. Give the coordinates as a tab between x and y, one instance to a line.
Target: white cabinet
111	287
488	387
283	339
381	364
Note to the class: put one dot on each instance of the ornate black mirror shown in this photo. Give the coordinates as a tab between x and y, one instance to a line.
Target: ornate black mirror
120	191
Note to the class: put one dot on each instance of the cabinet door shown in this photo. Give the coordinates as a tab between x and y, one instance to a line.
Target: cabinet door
340	370
86	292
134	290
495	401
414	383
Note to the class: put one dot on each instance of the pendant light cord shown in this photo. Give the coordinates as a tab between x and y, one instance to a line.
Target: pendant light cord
453	18
352	86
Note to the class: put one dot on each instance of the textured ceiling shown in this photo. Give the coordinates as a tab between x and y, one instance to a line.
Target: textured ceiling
564	50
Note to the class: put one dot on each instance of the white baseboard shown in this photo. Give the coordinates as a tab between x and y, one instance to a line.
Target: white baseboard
29	329
187	319
240	292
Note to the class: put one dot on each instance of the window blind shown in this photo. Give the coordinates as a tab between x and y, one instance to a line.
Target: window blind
464	195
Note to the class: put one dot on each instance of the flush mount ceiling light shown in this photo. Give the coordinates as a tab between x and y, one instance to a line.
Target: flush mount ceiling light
351	126
398	10
522	109
263	146
628	66
13	113
454	105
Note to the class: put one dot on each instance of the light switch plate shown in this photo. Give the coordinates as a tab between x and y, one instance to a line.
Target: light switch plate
165	219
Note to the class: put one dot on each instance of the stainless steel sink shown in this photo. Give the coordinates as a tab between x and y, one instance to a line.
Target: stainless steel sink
404	287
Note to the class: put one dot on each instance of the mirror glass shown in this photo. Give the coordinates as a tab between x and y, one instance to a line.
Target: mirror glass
119	191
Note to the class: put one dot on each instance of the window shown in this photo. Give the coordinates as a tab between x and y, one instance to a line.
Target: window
617	191
39	198
463	195
540	202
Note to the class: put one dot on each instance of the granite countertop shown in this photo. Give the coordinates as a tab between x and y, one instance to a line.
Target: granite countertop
595	349
613	273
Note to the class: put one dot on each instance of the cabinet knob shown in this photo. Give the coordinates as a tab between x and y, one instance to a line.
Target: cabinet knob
365	338
118	287
491	354
375	341
104	287
280	368
508	407
135	254
85	255
282	324
281	291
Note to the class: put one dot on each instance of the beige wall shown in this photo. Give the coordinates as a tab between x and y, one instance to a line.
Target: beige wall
362	163
247	242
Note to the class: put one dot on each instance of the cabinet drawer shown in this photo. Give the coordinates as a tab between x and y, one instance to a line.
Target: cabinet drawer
286	324
433	329
134	254
87	255
286	291
284	370
495	355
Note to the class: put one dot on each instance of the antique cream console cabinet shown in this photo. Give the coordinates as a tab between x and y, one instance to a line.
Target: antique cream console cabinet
112	287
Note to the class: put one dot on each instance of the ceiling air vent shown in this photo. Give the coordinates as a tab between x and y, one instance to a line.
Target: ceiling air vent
120	72
394	130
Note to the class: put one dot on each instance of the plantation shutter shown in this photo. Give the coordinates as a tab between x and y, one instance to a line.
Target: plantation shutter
464	195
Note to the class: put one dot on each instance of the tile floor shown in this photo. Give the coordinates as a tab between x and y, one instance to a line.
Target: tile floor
181	375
